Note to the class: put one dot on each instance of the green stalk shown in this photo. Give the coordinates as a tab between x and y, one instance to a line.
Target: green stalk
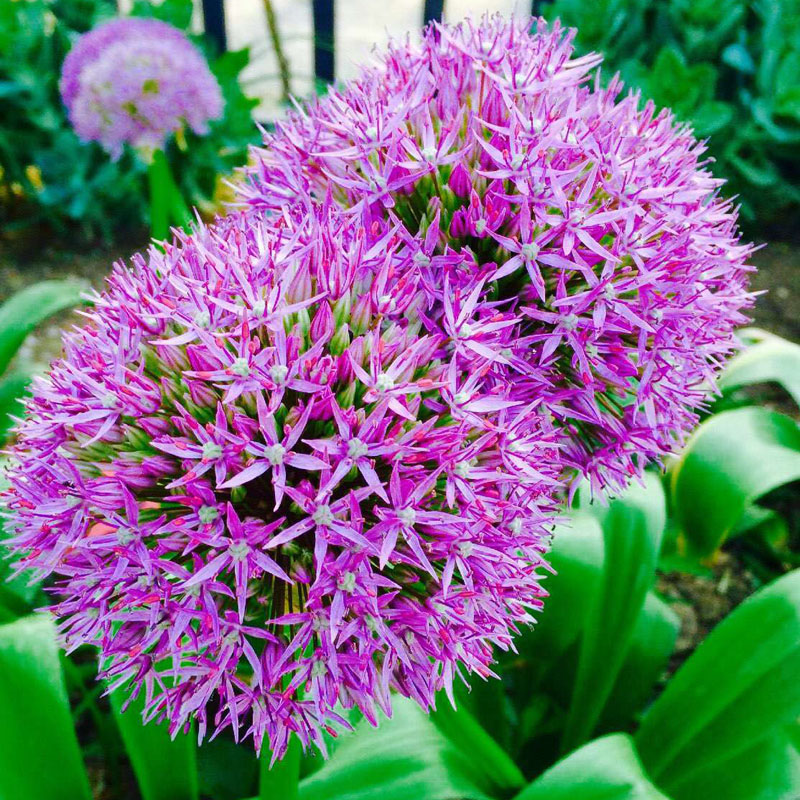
282	780
166	203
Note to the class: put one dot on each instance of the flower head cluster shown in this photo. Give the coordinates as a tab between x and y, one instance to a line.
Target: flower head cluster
137	81
592	220
269	486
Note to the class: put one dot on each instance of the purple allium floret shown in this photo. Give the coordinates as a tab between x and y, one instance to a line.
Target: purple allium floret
593	219
137	81
269	486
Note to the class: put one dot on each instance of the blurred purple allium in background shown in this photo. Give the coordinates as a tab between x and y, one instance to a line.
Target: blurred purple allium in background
592	220
137	81
270	487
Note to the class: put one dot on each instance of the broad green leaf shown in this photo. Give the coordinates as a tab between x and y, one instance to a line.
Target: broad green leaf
651	646
405	757
165	769
731	460
605	769
226	770
39	754
633	525
767	358
769	770
577	558
12	387
464	731
739	687
22	312
281	779
548	653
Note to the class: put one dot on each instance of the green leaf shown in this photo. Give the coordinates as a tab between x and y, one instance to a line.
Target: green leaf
39	754
165	769
739	687
577	558
22	312
464	731
738	57
766	359
731	460
281	779
605	769
769	770
405	757
633	525
651	646
711	117
12	388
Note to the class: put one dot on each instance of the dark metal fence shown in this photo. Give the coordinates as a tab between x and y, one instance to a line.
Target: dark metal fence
323	14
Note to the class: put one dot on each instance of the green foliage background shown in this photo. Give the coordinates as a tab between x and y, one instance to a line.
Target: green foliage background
49	175
731	69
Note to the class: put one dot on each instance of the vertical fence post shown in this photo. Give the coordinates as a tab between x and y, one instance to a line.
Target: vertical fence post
214	23
324	40
432	12
536	7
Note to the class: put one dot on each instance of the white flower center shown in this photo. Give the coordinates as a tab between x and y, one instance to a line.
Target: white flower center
125	536
384	382
240	367
530	251
356	448
275	454
259	307
347	582
323	515
278	372
421	259
239	551
570	322
211	451
318	669
207	514
462	469
408	516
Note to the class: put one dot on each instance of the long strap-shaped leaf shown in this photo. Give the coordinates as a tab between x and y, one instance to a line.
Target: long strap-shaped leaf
21	313
405	758
732	459
605	769
39	754
165	769
767	358
740	686
632	530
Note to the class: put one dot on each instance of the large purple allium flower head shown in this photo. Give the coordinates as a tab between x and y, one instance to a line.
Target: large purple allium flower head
137	81
592	219
268	486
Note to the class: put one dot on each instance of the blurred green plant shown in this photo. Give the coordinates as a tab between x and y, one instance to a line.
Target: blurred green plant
47	175
730	70
19	316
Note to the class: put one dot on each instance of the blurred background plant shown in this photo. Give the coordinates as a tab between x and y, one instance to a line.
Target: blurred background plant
728	69
49	177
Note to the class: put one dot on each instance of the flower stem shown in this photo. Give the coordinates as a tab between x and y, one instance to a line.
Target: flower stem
166	203
281	781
